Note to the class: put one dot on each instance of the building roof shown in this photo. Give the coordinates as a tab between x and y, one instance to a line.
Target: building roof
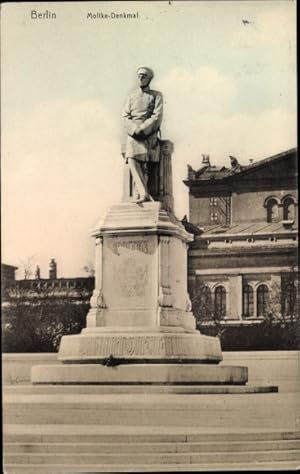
249	228
5	266
207	172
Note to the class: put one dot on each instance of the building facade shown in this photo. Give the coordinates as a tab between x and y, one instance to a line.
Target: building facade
36	290
8	278
8	275
243	260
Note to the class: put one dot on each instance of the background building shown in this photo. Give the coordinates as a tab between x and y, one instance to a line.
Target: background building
243	262
8	277
35	290
37	312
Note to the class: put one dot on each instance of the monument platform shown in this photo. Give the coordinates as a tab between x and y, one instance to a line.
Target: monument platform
144	374
140	328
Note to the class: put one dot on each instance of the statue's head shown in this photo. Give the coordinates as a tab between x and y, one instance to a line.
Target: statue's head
145	75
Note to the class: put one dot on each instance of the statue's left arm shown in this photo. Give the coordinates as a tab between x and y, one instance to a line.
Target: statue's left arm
153	123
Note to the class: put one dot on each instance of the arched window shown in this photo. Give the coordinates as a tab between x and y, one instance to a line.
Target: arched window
202	302
220	302
288	209
289	300
248	301
272	210
262	300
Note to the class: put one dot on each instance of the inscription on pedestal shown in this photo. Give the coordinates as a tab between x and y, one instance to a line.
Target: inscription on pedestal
128	346
142	346
139	245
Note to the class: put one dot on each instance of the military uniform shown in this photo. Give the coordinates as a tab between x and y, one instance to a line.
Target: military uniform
143	109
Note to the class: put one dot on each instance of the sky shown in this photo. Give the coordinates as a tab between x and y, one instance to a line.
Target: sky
229	89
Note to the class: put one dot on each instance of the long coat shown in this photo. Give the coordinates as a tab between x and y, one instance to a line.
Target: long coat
143	109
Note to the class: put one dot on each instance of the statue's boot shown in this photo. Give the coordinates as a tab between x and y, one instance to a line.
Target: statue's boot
144	198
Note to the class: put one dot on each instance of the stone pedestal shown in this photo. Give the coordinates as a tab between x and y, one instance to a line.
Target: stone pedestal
141	267
140	318
140	308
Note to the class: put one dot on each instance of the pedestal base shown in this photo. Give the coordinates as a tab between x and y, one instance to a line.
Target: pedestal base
140	374
160	346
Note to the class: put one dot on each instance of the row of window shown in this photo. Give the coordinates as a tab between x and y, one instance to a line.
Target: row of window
220	209
277	209
273	205
262	301
217	300
288	300
54	284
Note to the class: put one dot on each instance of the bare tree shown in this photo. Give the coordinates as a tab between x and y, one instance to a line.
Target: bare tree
27	266
39	312
282	314
207	314
283	304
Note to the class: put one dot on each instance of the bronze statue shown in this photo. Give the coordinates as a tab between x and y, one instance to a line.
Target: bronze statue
142	117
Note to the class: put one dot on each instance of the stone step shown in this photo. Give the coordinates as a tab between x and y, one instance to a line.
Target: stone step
136	434
159	458
139	374
154	447
274	411
223	450
108	468
119	389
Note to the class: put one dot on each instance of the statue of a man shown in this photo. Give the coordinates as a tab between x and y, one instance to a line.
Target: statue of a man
142	116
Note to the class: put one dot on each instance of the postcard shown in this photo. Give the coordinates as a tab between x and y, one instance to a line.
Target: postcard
149	235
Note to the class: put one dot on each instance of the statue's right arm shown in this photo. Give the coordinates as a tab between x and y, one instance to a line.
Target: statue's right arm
153	123
130	126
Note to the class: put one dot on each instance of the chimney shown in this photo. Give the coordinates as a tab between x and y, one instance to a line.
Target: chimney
52	269
205	160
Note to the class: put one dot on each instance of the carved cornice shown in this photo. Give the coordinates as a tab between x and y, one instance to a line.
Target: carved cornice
130	218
